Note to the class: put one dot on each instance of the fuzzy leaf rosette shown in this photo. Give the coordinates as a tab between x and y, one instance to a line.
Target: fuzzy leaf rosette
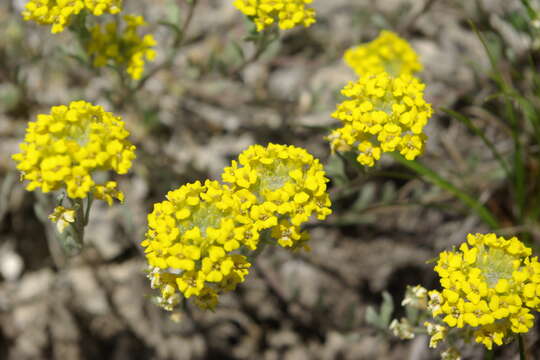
382	114
387	53
490	289
66	148
289	185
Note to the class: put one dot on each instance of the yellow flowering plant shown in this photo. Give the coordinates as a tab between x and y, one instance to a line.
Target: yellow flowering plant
490	291
60	13
289	185
491	286
194	243
203	238
382	114
286	13
116	42
387	53
66	149
123	48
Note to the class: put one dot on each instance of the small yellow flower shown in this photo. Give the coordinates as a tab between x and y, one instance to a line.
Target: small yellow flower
289	185
382	114
437	332
62	217
125	48
99	7
108	192
59	13
287	13
387	53
62	150
491	286
191	239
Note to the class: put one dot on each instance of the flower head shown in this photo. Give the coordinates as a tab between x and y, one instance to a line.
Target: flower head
491	286
125	48
287	13
382	114
436	332
387	53
64	149
194	241
289	185
59	13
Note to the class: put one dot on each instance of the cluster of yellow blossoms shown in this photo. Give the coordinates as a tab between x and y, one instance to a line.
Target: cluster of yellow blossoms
490	287
289	185
64	148
124	48
387	53
386	110
287	13
193	233
199	238
59	12
383	114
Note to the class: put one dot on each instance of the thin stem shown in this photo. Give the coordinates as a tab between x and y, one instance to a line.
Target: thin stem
177	44
489	355
519	163
89	201
80	219
464	119
261	45
436	179
521	345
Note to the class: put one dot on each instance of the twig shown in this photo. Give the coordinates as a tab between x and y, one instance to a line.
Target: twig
261	45
522	355
177	44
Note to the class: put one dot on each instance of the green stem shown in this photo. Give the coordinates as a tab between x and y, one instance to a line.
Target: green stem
489	355
178	42
436	179
264	40
80	219
521	345
464	119
89	201
72	239
519	163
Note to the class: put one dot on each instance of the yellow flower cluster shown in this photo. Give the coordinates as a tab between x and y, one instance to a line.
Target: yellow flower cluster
490	287
387	53
59	12
288	13
383	114
64	148
199	237
124	48
289	184
191	239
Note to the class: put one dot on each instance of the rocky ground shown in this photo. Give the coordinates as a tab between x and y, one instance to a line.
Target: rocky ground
188	121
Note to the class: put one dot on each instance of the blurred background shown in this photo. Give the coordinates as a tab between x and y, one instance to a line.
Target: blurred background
191	118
